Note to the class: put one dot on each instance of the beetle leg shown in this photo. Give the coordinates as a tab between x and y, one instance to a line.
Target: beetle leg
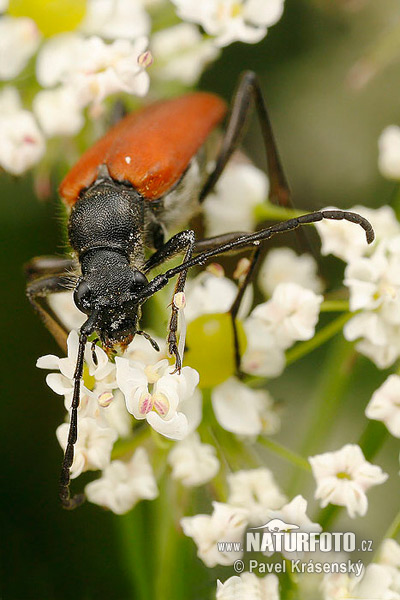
47	265
40	288
182	241
234	309
249	91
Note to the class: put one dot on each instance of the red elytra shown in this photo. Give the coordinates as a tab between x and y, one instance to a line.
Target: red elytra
150	148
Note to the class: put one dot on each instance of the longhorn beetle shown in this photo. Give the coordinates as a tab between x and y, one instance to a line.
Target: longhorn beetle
147	173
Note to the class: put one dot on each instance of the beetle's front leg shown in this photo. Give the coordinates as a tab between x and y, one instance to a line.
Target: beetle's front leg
38	289
182	241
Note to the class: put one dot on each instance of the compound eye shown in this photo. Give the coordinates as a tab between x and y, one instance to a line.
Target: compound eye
82	296
139	281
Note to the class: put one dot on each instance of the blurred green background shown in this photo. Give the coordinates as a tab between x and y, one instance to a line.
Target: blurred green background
327	133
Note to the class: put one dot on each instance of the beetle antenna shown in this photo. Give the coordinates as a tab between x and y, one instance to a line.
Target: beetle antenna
65	476
249	240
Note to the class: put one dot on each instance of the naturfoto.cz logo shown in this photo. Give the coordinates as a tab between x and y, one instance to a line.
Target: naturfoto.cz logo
278	536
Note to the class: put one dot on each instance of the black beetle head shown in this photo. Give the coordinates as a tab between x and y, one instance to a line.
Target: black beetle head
110	288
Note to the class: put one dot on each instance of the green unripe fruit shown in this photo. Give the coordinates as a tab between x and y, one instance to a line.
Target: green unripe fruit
211	349
51	16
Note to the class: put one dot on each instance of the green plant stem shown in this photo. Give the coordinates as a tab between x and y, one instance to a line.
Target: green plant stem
132	535
285	453
334	379
335	306
267	211
322	336
393	531
372	438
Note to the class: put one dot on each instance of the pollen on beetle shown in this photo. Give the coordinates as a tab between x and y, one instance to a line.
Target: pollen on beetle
128	160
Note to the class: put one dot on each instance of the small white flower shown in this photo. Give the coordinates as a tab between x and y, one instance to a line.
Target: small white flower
93	447
374	282
22	144
232	20
57	58
64	307
58	111
376	583
192	462
231	205
105	69
283	265
92	68
295	512
63	383
122	484
389	553
263	356
242	410
347	241
380	341
226	524
291	314
19	40
343	477
210	294
160	406
389	557
257	491
250	587
385	405
389	152
115	19
181	53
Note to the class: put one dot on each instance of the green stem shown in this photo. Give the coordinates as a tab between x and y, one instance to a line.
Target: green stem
393	531
322	336
285	453
335	376
335	306
327	515
372	438
267	211
132	534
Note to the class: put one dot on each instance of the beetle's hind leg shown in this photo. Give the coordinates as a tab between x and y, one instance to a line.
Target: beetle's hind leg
49	275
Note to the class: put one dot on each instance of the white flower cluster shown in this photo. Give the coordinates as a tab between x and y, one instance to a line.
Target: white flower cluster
258	501
108	53
380	580
231	20
249	586
372	276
